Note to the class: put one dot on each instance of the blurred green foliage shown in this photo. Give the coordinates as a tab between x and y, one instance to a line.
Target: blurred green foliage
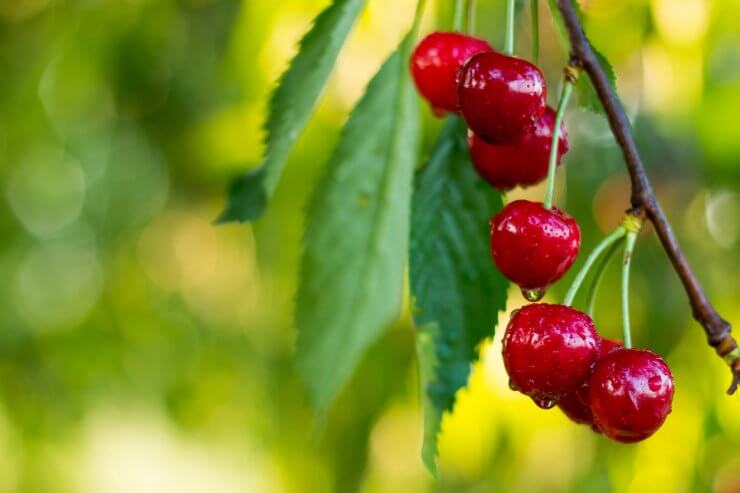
143	349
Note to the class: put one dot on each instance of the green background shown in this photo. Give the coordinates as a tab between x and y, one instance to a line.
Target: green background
144	350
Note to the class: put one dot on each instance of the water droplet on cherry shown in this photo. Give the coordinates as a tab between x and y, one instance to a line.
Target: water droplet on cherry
533	294
544	402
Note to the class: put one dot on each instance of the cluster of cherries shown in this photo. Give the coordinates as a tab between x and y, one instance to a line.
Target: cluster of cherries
552	353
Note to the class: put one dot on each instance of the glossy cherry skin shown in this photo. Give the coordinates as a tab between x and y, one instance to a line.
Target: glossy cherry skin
500	97
523	162
533	246
575	405
630	392
435	63
549	351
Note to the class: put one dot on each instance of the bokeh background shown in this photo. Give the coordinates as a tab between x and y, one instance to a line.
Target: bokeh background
144	350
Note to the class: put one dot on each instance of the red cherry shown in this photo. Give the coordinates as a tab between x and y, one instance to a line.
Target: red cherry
523	162
575	404
500	97
533	246
630	392
548	351
578	411
434	65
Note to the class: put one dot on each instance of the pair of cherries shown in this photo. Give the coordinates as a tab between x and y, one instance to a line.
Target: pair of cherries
554	355
502	100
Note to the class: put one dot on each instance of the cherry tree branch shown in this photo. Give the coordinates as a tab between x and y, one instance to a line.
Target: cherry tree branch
643	198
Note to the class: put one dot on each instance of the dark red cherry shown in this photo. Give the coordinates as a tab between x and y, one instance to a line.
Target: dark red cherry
575	404
630	392
434	65
533	246
500	97
549	351
523	162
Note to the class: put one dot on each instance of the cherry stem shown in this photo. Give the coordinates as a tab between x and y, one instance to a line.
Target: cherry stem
535	14
616	235
458	18
417	21
598	275
509	43
629	247
470	17
552	164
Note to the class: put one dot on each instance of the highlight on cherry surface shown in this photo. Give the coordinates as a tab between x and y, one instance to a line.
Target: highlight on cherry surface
435	63
533	246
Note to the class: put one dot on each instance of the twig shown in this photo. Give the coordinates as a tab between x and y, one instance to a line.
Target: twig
643	198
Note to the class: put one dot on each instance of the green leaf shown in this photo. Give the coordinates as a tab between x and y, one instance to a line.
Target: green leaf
587	97
357	234
453	280
426	352
290	106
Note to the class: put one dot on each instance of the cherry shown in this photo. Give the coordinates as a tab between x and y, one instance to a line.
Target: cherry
434	65
575	404
630	393
548	351
523	162
533	246
500	97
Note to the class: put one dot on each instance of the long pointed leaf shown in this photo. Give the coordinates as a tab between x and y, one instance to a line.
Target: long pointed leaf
357	234
291	105
456	287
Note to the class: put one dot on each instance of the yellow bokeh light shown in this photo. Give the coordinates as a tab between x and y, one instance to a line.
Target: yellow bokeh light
672	79
681	21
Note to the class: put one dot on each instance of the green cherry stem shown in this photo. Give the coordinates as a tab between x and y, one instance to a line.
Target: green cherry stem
470	17
458	17
616	235
598	275
509	43
417	22
552	164
535	14
629	247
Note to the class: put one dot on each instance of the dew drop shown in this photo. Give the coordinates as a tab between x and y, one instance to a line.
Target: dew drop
512	385
533	294
544	402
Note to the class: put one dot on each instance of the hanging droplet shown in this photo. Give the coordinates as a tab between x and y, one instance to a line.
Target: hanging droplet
512	385
533	294
544	402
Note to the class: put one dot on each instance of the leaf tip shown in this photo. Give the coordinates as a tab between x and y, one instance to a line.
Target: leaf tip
247	199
